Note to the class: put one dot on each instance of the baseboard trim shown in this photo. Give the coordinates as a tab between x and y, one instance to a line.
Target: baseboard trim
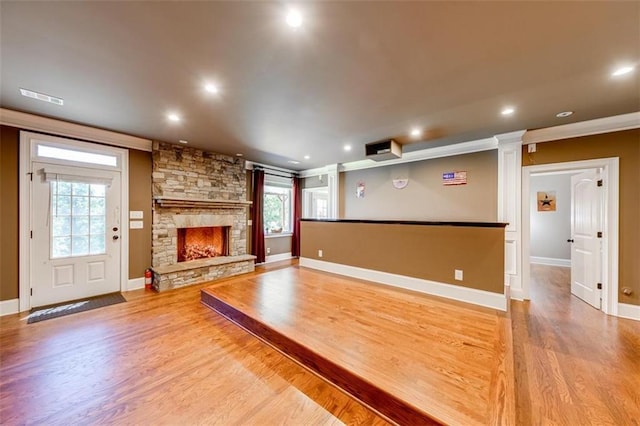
8	307
550	261
135	284
277	257
629	311
463	294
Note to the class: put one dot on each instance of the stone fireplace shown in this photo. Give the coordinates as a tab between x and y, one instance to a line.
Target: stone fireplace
199	217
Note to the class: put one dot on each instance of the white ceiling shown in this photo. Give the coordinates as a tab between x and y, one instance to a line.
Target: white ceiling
356	72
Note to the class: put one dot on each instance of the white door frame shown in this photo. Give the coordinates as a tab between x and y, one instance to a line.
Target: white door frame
610	174
26	139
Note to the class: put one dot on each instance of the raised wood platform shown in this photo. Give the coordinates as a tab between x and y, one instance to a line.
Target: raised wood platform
413	358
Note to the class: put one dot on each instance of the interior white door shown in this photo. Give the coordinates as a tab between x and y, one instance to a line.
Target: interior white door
585	245
75	246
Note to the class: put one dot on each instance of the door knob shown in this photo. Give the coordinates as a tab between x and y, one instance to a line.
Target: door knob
115	229
570	240
115	237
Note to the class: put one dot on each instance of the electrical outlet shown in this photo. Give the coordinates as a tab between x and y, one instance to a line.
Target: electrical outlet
458	274
319	253
268	250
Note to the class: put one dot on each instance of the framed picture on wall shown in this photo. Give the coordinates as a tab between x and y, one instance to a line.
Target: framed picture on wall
546	201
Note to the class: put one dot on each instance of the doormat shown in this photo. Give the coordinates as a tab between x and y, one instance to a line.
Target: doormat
68	308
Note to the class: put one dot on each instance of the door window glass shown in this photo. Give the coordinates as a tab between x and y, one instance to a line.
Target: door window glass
77	219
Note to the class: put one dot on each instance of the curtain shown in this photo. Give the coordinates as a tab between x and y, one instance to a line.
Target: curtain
297	213
257	217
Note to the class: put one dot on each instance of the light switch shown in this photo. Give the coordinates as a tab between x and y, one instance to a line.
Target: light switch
136	224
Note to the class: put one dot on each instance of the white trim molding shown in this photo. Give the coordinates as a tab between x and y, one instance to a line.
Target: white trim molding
629	311
277	257
463	294
615	123
509	208
610	175
135	284
550	261
37	123
8	307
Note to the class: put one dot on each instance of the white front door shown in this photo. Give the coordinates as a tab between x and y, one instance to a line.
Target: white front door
585	245
75	246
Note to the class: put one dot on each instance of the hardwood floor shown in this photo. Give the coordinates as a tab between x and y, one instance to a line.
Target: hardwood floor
574	364
158	359
414	358
167	359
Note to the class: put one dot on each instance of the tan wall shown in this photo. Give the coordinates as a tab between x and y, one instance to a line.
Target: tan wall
278	245
9	209
140	165
425	198
420	251
626	146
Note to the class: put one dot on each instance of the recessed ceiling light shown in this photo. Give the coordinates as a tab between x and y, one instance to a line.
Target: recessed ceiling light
211	88
294	162
415	132
508	111
294	19
622	71
347	147
41	97
183	141
564	114
173	117
239	154
306	157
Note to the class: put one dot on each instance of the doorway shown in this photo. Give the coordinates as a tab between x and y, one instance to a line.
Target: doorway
604	174
565	217
73	223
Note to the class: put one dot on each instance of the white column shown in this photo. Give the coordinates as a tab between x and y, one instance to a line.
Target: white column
510	208
332	183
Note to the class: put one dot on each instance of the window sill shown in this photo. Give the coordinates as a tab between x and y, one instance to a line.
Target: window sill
283	234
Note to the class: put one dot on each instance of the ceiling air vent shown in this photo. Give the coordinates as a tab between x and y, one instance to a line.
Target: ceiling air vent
383	150
41	97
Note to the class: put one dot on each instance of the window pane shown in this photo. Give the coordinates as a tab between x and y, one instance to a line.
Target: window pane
79	245
97	244
78	221
72	155
97	190
61	226
63	205
61	247
80	188
96	225
80	225
80	206
64	188
277	209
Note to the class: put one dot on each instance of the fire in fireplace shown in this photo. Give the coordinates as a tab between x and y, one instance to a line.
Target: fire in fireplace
204	242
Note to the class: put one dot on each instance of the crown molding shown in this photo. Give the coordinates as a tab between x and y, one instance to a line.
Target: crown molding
25	121
615	123
427	154
511	137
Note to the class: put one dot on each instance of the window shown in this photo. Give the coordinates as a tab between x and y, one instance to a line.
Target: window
278	199
76	155
316	203
78	219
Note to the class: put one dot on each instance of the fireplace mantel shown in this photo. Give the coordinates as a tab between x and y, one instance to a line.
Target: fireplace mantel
195	203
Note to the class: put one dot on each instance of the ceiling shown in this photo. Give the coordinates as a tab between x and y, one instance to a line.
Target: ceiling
353	73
